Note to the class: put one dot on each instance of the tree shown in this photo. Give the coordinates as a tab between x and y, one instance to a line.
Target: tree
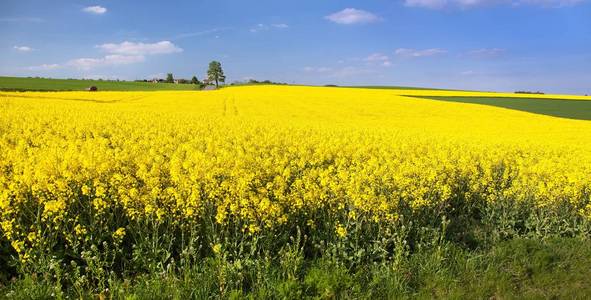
169	78
194	80
215	73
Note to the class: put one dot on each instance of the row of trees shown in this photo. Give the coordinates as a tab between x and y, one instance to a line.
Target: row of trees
215	75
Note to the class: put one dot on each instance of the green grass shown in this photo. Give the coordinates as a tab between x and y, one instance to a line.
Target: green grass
46	84
563	108
557	268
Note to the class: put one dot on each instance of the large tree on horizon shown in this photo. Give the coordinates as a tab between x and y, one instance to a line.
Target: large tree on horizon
169	78
215	73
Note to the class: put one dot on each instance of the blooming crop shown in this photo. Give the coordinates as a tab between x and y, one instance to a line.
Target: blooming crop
74	165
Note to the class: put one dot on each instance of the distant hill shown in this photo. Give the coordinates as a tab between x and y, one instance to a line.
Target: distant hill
47	84
393	87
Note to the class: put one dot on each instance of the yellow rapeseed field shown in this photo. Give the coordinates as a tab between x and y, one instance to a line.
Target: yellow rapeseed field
77	165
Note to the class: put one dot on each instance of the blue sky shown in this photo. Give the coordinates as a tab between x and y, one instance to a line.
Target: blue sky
501	45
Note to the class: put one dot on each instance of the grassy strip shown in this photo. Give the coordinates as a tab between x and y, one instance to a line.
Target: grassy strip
46	84
563	108
519	268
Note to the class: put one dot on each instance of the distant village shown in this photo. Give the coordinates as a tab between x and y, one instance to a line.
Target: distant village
215	76
206	83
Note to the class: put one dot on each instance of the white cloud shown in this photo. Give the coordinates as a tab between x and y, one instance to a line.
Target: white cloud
103	77
97	10
467	73
350	16
263	27
379	58
258	27
44	67
405	52
317	69
486	52
157	76
109	60
23	48
201	33
465	4
131	48
432	4
550	3
124	54
349	71
116	59
340	72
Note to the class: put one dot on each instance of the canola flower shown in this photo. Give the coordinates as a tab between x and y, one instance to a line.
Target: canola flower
77	165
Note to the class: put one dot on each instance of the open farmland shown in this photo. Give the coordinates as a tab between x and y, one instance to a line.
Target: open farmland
50	84
564	108
235	179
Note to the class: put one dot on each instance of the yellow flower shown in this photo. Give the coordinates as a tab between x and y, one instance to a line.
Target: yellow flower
18	246
268	156
119	233
341	231
80	230
352	215
217	248
85	190
32	237
99	204
54	208
100	191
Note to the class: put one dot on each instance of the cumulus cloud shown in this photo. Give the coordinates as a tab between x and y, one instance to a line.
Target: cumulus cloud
350	16
23	48
465	4
405	52
109	60
97	10
124	53
131	48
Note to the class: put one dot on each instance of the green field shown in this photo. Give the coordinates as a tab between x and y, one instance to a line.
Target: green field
46	84
563	108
